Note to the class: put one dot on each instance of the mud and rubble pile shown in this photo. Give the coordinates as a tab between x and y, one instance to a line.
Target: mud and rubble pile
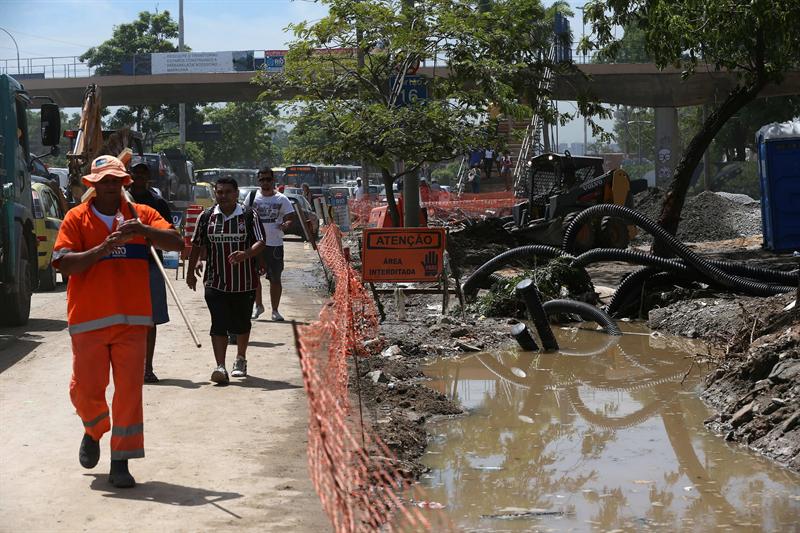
756	385
475	241
392	385
709	216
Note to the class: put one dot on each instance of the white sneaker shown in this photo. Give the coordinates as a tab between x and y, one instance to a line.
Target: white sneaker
276	317
239	368
257	311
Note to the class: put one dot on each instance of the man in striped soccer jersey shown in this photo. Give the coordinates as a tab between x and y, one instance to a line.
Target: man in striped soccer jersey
232	239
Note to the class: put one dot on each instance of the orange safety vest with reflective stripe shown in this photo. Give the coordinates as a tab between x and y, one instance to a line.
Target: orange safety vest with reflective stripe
116	289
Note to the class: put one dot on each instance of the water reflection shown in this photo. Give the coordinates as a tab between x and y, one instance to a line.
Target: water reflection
610	441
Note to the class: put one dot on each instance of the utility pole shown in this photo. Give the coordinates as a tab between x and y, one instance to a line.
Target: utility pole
181	106
411	180
583	36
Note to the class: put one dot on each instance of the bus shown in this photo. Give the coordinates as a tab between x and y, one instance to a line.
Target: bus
278	172
320	175
244	176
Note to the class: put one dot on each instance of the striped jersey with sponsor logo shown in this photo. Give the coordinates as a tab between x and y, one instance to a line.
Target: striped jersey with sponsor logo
222	235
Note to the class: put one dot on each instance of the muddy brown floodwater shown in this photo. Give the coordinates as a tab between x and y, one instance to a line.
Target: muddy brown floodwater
609	441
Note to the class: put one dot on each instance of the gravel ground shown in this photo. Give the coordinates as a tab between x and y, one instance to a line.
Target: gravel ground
709	216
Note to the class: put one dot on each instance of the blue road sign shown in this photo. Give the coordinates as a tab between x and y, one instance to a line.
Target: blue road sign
177	218
415	89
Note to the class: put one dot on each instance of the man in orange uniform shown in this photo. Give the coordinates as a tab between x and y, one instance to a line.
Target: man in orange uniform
103	247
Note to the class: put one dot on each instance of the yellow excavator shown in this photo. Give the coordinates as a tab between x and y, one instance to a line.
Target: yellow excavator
90	141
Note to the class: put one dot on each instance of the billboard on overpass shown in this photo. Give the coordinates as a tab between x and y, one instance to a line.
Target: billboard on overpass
190	63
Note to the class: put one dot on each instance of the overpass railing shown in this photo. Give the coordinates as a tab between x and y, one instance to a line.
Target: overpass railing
73	67
46	67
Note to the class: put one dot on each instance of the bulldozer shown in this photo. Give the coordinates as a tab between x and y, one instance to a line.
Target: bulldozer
558	187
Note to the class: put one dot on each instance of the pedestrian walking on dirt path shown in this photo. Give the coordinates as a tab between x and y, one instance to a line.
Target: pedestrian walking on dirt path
103	246
143	194
232	238
276	214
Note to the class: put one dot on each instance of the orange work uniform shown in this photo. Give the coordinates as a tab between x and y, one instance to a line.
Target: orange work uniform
108	312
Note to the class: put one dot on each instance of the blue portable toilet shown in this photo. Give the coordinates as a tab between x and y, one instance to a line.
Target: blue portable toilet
779	173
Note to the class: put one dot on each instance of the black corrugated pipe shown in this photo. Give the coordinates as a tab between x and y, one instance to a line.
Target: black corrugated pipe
643	258
527	291
633	284
693	260
523	336
474	281
585	311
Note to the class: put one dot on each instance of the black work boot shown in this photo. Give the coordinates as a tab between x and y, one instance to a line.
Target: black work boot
119	475
89	452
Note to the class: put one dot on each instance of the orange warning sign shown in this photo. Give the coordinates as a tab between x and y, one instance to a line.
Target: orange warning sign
403	254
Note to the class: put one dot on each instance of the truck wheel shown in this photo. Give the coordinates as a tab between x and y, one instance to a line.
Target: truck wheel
47	278
613	233
17	305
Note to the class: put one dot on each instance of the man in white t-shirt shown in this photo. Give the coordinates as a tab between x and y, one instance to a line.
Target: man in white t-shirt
276	214
361	190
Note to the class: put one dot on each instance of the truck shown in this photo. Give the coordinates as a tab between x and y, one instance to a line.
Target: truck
18	251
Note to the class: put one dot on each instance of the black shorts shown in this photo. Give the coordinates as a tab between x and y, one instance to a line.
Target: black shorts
273	257
230	311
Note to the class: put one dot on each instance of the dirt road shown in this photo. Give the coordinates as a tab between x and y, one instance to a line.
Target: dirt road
217	458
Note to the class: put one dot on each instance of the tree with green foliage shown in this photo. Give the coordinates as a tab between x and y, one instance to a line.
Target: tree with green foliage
68	122
247	129
632	49
150	33
194	151
348	71
757	40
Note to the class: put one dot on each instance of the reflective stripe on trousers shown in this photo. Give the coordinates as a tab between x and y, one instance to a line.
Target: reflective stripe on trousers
111	320
121	349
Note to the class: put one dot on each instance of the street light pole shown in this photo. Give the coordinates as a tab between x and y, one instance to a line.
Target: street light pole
19	70
181	106
583	36
639	133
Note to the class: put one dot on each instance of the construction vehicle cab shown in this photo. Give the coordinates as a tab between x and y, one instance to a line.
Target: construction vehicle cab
558	187
18	250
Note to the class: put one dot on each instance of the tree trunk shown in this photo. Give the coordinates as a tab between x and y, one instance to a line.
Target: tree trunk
740	142
676	195
388	182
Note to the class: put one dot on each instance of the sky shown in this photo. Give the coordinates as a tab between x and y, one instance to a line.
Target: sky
47	28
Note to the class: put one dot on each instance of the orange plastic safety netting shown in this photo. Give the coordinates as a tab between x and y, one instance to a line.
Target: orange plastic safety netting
443	207
354	473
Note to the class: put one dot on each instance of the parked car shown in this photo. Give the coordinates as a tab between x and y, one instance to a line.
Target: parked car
63	176
47	217
204	194
244	192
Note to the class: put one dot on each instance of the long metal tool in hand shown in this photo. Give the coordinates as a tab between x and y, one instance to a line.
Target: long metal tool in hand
174	294
175	297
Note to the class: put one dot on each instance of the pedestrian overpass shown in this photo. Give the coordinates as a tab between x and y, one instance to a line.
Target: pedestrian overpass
638	85
632	84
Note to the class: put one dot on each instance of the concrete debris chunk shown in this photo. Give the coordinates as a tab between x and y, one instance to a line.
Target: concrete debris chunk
377	376
467	347
392	352
742	416
785	371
